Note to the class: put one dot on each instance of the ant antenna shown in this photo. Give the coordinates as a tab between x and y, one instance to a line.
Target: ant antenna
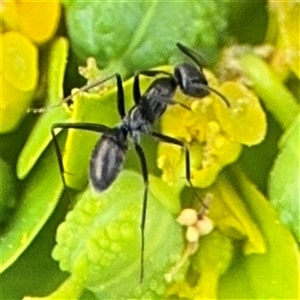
196	57
41	110
68	99
206	87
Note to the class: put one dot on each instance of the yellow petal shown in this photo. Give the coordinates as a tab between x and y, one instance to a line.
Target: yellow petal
288	25
245	120
170	160
19	70
13	105
39	19
19	61
9	14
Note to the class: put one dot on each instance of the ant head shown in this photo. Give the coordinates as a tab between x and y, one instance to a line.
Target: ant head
192	80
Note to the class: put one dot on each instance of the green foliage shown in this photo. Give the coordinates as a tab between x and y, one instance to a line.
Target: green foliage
35	207
101	237
265	82
40	136
249	254
274	274
285	181
35	273
40	191
8	187
147	29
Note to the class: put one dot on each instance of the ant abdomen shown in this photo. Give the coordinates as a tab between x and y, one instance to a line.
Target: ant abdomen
107	159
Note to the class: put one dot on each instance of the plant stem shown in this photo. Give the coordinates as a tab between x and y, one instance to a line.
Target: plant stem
277	98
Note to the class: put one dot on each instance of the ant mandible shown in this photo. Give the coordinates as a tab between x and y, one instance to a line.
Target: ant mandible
109	152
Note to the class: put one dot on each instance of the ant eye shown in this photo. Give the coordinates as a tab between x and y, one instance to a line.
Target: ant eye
199	80
177	75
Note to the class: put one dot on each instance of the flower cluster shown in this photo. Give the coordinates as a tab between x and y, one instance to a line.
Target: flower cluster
198	224
213	131
21	37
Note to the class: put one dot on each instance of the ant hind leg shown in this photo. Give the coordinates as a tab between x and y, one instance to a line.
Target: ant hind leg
142	158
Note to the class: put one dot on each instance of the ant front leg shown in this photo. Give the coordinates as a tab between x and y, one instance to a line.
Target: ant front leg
81	126
142	158
120	92
136	81
120	96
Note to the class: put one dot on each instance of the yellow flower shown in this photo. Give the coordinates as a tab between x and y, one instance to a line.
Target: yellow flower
286	17
38	20
24	24
19	75
213	132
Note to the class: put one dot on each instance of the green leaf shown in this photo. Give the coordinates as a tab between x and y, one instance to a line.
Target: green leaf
232	217
284	181
69	289
40	136
38	197
35	273
39	139
274	274
148	32
211	261
56	70
100	241
8	189
281	104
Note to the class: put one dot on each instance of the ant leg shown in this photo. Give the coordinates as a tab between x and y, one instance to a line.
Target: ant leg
120	92
174	141
120	96
58	155
142	158
83	126
136	88
171	140
136	81
87	87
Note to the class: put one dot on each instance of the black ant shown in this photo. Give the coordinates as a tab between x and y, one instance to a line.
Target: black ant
109	153
188	77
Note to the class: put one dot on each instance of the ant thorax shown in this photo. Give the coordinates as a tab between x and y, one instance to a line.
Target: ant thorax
136	123
157	97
